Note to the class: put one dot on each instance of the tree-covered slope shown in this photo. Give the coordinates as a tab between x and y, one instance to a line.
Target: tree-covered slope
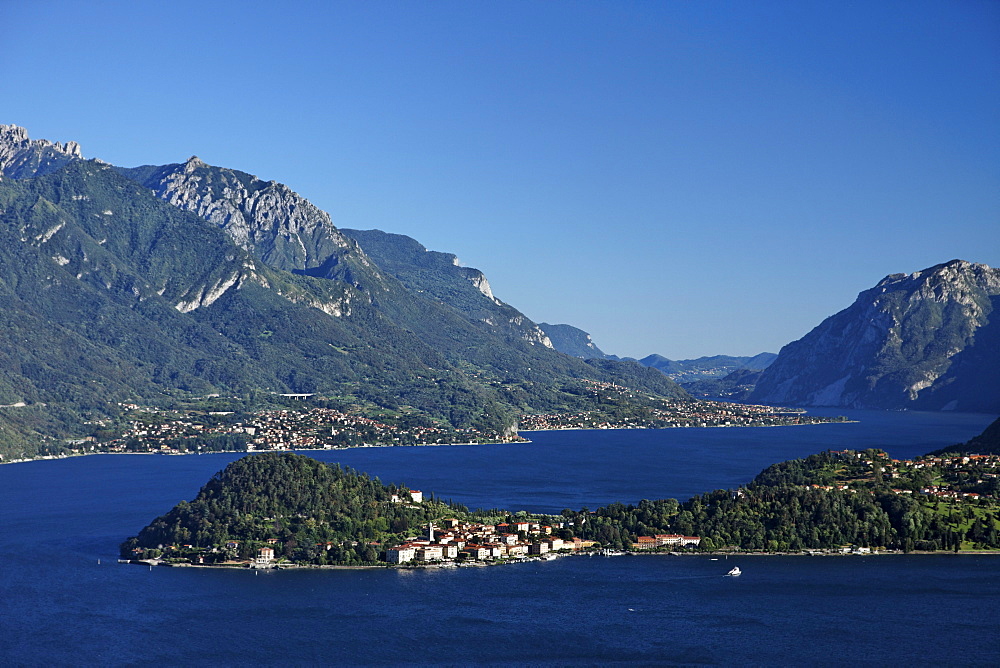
440	277
572	341
987	443
113	294
825	501
297	501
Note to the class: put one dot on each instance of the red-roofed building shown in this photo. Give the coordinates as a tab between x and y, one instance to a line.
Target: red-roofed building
644	543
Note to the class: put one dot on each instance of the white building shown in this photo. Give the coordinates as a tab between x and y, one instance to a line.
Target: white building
400	554
264	557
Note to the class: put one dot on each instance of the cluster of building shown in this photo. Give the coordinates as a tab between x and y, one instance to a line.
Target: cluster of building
287	429
670	540
456	540
324	427
676	413
952	475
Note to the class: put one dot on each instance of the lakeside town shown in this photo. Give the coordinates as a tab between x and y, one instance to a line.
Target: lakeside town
303	425
678	414
968	480
954	495
644	412
454	542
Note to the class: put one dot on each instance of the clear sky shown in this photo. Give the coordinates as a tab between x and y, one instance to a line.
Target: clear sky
674	177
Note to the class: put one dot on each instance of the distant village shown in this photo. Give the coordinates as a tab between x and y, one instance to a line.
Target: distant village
175	432
667	413
167	431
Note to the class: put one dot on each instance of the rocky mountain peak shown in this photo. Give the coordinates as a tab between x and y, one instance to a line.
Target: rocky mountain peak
927	340
13	134
23	157
267	218
193	163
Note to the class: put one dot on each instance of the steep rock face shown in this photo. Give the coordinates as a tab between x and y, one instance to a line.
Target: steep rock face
927	340
441	277
572	341
265	218
21	157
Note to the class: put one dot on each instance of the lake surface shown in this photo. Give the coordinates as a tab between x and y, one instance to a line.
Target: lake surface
60	606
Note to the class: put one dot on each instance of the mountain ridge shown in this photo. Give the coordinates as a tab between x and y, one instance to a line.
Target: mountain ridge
926	340
155	299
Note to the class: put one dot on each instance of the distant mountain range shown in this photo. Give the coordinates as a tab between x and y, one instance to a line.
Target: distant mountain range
159	283
717	376
927	341
716	366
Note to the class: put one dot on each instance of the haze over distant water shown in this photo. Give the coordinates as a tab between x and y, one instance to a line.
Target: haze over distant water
677	178
62	607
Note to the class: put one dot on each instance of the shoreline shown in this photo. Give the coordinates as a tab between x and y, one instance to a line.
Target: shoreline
249	452
450	565
415	445
712	426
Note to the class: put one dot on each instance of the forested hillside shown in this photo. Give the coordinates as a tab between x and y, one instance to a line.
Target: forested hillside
114	293
828	500
318	513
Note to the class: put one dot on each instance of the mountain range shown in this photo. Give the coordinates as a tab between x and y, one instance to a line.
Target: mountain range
159	283
929	340
712	376
168	283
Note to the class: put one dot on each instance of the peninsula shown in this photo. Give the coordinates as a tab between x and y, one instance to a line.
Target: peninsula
285	509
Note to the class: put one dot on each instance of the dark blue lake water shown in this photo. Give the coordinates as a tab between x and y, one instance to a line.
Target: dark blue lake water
60	606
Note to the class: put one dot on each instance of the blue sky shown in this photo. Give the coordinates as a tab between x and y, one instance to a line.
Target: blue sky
681	178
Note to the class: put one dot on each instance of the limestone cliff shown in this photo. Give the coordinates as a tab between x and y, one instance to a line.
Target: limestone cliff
266	218
441	277
22	157
927	340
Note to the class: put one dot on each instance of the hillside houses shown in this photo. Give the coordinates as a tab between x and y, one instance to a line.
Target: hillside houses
966	477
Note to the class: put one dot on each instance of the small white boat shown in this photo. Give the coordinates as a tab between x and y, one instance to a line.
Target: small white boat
735	571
